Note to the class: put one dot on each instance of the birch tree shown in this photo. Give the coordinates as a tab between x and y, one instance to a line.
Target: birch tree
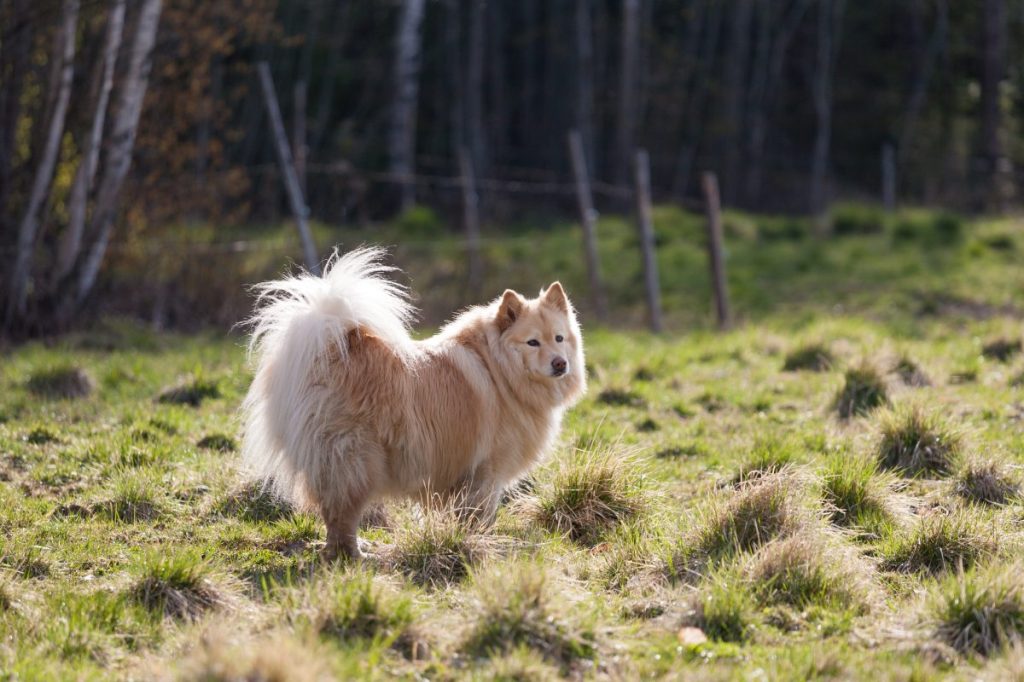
403	111
71	239
64	57
125	123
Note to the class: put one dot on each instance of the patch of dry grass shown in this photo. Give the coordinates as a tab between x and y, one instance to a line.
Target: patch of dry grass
62	382
980	611
864	389
439	548
178	585
939	543
987	482
915	442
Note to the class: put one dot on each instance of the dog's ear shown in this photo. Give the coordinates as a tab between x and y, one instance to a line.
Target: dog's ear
510	309
555	296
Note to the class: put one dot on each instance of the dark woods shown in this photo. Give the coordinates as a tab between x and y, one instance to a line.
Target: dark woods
116	115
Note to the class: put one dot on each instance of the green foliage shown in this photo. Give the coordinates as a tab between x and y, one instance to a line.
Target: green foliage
354	606
814	357
768	456
724	608
419	222
855	494
176	584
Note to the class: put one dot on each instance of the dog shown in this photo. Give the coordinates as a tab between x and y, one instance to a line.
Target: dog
346	409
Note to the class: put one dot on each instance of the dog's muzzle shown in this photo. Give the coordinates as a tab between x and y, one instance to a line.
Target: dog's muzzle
559	367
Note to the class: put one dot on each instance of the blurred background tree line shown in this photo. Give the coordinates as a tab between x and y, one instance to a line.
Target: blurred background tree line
120	115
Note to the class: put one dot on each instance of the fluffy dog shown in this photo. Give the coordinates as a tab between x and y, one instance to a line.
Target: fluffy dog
346	408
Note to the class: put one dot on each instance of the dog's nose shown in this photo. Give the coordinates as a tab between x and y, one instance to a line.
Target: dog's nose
558	366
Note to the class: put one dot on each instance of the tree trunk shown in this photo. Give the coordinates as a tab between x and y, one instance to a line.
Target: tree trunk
71	239
735	91
919	90
403	111
993	63
830	14
131	93
475	86
64	56
15	52
585	81
325	99
453	55
629	65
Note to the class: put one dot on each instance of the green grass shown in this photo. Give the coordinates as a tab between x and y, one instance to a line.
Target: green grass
707	480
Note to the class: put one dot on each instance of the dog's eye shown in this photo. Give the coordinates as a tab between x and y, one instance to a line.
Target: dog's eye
533	342
559	339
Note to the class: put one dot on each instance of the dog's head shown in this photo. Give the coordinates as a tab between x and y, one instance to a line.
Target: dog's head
541	338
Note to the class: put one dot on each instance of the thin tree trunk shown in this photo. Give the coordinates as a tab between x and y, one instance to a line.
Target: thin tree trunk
64	55
993	64
71	240
131	94
325	100
830	14
735	91
919	91
628	67
14	60
403	111
453	55
475	86
299	135
498	129
585	81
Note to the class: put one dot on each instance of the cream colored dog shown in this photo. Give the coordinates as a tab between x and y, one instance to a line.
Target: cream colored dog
346	408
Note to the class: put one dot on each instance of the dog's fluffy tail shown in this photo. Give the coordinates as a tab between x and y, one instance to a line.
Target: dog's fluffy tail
299	322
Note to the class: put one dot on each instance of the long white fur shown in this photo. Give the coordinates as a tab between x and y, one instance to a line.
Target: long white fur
298	319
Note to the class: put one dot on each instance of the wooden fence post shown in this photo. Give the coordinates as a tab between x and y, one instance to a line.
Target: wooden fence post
588	220
645	222
471	218
888	177
716	254
284	159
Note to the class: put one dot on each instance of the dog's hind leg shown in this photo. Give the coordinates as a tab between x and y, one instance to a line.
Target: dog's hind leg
343	528
344	492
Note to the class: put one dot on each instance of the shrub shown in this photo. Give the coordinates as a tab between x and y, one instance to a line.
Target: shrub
813	357
987	482
863	390
419	222
939	543
918	443
589	493
514	610
177	585
66	382
980	611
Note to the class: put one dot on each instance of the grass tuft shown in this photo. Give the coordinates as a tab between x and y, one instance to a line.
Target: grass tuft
910	372
191	391
177	585
218	442
856	495
63	382
723	608
812	569
253	502
437	549
980	611
768	456
753	514
987	482
864	389
939	543
133	500
275	659
918	443
589	493
1001	349
811	357
620	397
354	606
514	609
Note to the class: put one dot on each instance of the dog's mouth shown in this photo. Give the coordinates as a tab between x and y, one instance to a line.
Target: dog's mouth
557	373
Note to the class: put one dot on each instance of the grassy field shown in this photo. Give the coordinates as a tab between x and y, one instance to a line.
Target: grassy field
833	490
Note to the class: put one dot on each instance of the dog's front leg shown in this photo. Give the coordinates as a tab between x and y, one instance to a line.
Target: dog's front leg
481	496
